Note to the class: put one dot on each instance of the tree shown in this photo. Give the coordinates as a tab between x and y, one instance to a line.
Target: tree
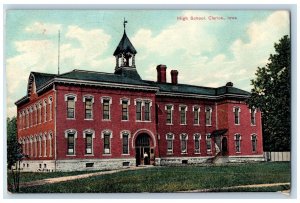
271	93
14	152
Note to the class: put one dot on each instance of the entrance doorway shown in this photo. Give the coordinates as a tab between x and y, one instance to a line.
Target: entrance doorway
224	146
143	152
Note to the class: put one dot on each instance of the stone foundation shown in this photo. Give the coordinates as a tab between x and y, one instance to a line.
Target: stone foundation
168	161
37	166
241	159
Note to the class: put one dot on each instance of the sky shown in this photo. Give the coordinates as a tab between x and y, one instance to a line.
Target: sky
216	47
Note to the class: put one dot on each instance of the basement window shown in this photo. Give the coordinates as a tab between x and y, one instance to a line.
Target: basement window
88	165
126	163
184	161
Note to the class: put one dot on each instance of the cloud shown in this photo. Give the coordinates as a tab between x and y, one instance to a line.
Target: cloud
237	65
81	49
43	28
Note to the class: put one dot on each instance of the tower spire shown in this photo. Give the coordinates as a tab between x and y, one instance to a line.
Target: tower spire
124	24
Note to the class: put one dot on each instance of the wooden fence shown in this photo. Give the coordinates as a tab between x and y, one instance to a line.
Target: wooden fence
277	156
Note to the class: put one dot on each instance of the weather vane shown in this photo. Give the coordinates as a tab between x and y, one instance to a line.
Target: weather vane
124	23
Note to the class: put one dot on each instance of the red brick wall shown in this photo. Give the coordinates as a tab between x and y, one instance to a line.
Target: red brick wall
43	127
97	124
245	129
189	128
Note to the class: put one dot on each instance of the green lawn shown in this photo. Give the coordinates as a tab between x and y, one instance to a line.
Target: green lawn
171	179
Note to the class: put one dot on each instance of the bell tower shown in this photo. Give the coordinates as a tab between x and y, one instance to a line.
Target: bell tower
125	57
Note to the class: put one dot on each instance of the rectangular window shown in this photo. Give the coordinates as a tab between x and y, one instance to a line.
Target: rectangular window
124	110
197	144
147	111
88	143
236	115
125	144
253	121
183	115
254	143
88	108
183	143
106	144
71	144
169	114
208	112
169	144
237	143
196	115
138	110
208	143
106	115
71	107
45	111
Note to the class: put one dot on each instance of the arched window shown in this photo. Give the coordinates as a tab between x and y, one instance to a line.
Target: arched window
254	142
125	135
89	135
208	113
71	136
208	143
183	139
236	111
106	135
169	108
170	138
71	100
196	110
197	138
183	110
237	139
88	104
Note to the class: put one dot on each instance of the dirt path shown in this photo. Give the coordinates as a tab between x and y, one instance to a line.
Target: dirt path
240	186
75	177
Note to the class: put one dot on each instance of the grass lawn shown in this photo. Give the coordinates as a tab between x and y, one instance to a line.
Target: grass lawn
172	179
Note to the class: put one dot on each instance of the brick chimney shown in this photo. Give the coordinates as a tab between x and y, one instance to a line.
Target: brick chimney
161	73
174	77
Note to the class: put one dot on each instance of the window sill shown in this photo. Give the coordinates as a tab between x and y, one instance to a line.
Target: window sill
182	124
197	153
170	153
208	125
253	125
125	154
169	123
71	155
141	121
106	154
88	119
237	152
184	153
196	124
125	120
106	120
71	118
237	124
89	155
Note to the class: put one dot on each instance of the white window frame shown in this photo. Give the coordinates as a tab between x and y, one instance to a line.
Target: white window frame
35	145
185	110
20	121
27	118
138	100
45	110
198	116
30	116
31	143
40	112
45	144
128	104
208	138
50	107
238	114
252	136
92	111
240	143
40	144
208	109
24	119
67	96
92	132
129	136
109	107
150	105
172	109
50	136
67	132
197	151
186	143
172	142
254	112
103	133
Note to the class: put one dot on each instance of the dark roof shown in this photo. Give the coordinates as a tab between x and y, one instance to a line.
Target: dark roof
125	46
128	72
42	78
199	90
101	77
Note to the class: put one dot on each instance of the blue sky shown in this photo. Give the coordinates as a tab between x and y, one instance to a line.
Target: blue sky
205	52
